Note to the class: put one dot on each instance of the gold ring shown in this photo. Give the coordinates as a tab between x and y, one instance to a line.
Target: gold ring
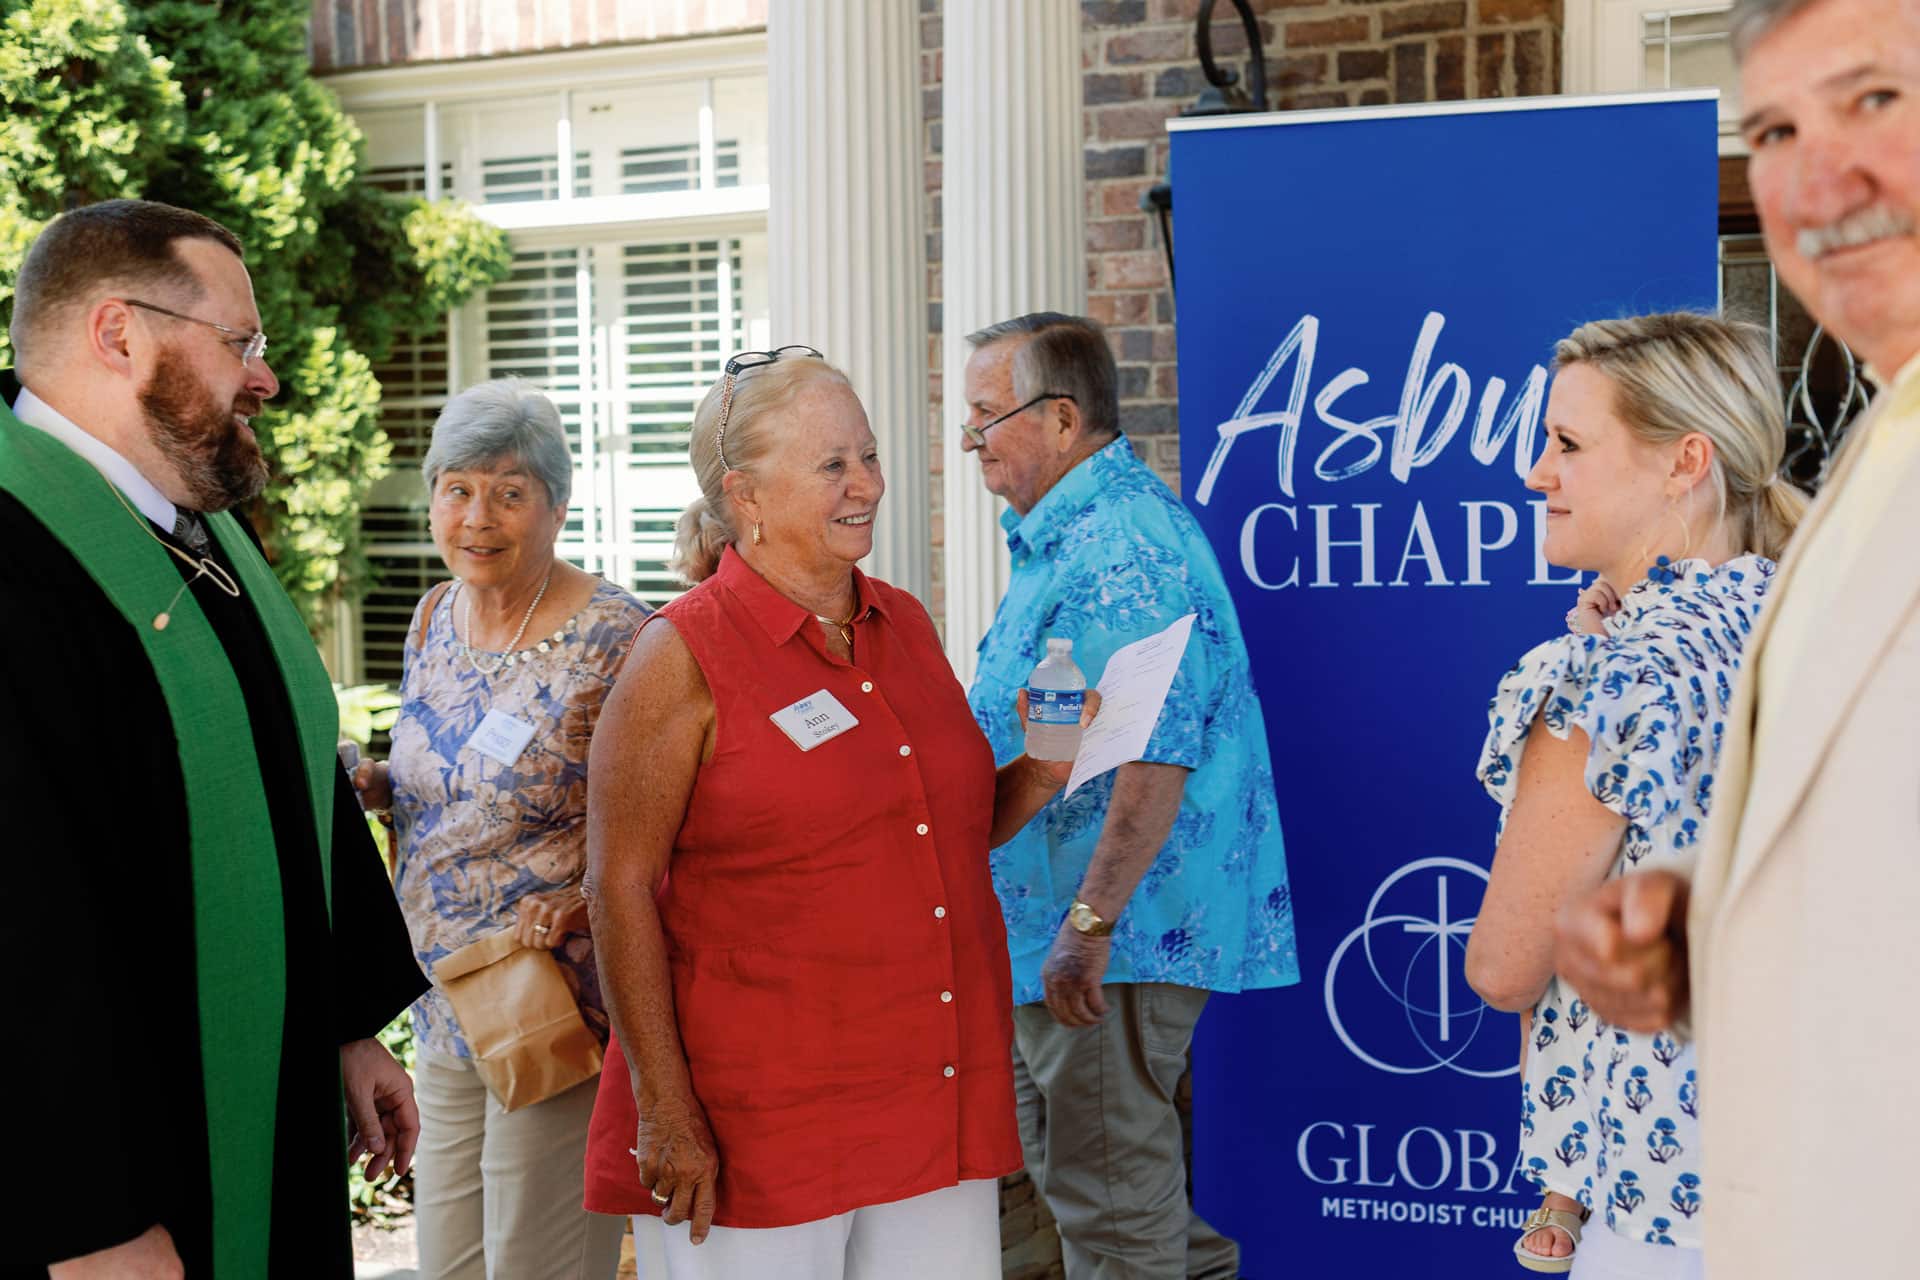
540	928
660	1199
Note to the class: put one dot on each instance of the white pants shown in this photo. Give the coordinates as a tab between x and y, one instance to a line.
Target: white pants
950	1234
1602	1255
497	1193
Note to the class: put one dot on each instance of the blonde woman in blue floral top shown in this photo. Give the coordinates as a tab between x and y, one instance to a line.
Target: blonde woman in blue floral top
506	670
1665	435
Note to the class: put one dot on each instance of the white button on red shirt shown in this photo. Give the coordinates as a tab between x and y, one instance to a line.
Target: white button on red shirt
785	1021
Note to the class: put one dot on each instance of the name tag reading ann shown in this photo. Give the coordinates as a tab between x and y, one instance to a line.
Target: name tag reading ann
501	737
814	719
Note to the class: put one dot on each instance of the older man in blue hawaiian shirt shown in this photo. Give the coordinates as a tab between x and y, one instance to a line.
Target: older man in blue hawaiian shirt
1156	884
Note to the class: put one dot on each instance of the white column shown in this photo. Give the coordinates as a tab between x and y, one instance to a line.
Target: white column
846	252
1013	240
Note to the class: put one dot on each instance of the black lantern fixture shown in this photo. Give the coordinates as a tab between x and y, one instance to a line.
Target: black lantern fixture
1223	96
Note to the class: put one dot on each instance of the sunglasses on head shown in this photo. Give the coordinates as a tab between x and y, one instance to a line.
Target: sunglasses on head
740	364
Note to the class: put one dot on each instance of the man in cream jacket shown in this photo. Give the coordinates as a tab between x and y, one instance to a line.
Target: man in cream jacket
1793	954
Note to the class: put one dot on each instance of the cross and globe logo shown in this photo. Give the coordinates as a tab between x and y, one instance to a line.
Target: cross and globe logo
1408	955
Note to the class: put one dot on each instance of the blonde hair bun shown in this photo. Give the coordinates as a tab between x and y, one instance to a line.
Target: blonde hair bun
1678	373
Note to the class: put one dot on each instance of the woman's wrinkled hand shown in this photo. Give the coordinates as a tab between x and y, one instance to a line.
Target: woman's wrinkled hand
375	785
1596	603
1056	772
679	1162
546	922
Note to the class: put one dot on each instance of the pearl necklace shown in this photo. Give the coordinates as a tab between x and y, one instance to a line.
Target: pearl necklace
509	657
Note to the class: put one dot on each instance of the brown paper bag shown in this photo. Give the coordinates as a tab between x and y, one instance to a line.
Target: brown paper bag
528	1039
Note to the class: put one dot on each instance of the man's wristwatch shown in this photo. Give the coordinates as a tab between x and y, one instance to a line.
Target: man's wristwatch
1086	920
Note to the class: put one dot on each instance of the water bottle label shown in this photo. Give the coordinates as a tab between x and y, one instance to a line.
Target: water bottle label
1054	706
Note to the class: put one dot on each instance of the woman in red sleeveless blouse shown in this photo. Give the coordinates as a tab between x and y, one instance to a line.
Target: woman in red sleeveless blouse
789	812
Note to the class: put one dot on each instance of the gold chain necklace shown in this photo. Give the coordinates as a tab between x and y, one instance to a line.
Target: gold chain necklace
203	567
844	626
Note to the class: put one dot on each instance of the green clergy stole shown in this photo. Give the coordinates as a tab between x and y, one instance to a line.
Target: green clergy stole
238	921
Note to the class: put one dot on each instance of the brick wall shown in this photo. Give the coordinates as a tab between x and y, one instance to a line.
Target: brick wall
348	34
1140	67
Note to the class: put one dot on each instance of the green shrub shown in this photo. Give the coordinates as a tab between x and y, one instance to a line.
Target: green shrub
366	709
211	106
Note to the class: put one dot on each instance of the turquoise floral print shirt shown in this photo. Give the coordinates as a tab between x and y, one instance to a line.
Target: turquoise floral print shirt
1611	1117
1108	557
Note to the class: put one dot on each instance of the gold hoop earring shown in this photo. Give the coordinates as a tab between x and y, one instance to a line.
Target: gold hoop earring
757	539
1686	531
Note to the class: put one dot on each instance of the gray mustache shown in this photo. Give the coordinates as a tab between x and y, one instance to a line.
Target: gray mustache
1864	227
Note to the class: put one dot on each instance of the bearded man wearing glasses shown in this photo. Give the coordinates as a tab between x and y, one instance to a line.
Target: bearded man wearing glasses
228	945
1130	901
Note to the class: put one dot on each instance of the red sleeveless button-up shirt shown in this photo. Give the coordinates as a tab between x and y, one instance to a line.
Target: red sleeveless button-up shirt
840	971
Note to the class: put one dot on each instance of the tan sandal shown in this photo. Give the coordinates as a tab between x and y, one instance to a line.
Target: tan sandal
1562	1219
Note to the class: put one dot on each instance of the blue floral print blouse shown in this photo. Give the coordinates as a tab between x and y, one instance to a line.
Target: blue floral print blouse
1108	557
1611	1117
478	837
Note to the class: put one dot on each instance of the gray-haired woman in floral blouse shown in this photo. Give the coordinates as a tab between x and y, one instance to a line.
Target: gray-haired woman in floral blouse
506	670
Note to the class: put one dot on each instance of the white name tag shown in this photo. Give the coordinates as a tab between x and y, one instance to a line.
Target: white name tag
501	737
814	719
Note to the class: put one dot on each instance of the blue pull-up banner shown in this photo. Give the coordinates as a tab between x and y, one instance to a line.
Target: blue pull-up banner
1368	302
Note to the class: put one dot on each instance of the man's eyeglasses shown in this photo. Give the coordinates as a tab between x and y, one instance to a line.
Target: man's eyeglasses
250	346
979	434
740	364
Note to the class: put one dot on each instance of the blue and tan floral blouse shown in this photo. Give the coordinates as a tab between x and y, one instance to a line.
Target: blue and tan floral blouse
1107	557
1611	1117
477	837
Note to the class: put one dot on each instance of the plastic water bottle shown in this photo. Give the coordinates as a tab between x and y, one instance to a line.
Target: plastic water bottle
1055	693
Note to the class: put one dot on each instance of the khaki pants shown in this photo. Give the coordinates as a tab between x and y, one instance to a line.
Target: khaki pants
1103	1140
498	1194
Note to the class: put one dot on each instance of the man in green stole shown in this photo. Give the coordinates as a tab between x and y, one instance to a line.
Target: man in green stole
219	944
